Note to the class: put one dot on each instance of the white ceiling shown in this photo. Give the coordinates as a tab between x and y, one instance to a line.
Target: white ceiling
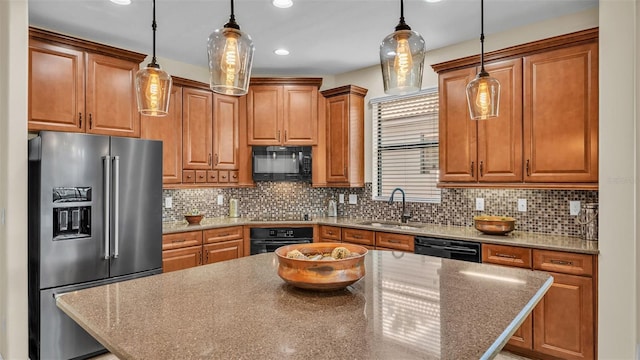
325	37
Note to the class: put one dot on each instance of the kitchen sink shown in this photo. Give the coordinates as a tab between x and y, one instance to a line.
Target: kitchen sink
391	225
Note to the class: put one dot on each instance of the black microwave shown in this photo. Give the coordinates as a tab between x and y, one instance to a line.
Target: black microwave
282	163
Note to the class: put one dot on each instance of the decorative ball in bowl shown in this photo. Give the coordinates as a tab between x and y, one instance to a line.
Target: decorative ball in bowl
321	266
494	225
193	219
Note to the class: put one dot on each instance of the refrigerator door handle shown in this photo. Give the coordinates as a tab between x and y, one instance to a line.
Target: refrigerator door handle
107	206
116	196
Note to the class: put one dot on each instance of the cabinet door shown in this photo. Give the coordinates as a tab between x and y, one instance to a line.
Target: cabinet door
179	259
500	139
111	96
196	128
264	115
56	88
225	132
222	251
561	115
300	118
563	325
337	139
168	129
458	133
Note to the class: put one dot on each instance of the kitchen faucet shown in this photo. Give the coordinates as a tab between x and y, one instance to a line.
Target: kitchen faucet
405	214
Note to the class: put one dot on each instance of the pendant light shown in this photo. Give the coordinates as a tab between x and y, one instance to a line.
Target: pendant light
153	85
230	56
402	59
483	92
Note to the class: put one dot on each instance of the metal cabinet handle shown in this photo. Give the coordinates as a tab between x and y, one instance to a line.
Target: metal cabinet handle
330	232
116	196
278	135
179	240
527	167
188	176
216	162
285	135
201	176
508	256
90	121
357	236
209	161
106	173
472	172
80	120
200	257
561	262
394	241
481	172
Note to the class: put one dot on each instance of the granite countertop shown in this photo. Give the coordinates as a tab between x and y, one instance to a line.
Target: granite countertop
514	238
406	306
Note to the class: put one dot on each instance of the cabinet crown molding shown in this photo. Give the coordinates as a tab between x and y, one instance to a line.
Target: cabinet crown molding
556	42
312	81
343	90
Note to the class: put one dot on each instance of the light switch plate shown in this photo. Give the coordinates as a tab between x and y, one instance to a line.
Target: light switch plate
341	198
220	199
353	199
522	205
574	207
480	204
168	202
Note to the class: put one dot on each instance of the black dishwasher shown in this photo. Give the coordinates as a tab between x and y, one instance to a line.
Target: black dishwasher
447	248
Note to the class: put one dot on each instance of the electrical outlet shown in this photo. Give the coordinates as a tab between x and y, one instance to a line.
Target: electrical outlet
522	205
168	202
480	204
341	198
220	199
353	199
574	207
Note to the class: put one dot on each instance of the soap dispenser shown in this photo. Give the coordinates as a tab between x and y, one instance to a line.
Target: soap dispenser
332	210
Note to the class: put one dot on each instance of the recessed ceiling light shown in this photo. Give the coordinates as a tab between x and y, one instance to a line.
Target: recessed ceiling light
283	4
281	52
121	2
433	1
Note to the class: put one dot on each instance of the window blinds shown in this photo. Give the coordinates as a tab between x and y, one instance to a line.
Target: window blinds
405	146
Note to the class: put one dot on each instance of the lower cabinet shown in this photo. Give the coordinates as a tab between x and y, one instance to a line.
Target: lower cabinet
330	234
562	324
193	248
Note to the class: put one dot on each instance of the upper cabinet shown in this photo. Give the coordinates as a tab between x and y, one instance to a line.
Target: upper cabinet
283	111
344	138
546	135
81	86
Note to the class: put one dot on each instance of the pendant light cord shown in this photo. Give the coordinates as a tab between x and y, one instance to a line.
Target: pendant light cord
482	71
154	26
402	25
232	20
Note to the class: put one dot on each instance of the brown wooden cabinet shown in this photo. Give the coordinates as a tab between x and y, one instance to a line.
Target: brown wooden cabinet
226	115
561	115
393	241
283	111
546	134
197	129
81	86
181	250
562	324
358	236
344	142
223	244
330	234
168	129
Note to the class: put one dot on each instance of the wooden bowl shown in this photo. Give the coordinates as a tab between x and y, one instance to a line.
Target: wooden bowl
193	219
494	225
324	275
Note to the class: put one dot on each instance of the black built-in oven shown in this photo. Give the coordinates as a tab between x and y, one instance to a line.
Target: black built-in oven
448	248
281	163
265	240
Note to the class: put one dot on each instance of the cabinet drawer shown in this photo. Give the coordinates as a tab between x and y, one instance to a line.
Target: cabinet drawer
201	176
330	232
222	234
188	176
212	176
222	251
356	236
181	240
506	255
223	176
395	241
563	262
233	176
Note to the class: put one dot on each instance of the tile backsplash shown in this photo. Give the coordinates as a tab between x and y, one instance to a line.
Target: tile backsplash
547	210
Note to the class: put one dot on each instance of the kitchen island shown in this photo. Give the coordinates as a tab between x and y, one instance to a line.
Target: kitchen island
406	306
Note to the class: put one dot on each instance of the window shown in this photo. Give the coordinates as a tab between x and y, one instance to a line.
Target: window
405	146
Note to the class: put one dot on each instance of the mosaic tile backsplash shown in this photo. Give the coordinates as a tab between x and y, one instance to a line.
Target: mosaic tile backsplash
547	210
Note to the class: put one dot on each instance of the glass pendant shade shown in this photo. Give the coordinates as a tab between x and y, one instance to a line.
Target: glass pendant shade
483	97
153	88
402	60
230	58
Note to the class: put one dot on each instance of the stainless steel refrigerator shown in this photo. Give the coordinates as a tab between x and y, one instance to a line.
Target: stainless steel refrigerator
95	217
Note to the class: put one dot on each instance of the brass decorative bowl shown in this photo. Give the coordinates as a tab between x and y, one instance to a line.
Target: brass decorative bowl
324	275
494	225
193	219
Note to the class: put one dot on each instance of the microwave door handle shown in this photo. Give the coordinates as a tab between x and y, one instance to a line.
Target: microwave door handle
116	197
454	249
107	198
